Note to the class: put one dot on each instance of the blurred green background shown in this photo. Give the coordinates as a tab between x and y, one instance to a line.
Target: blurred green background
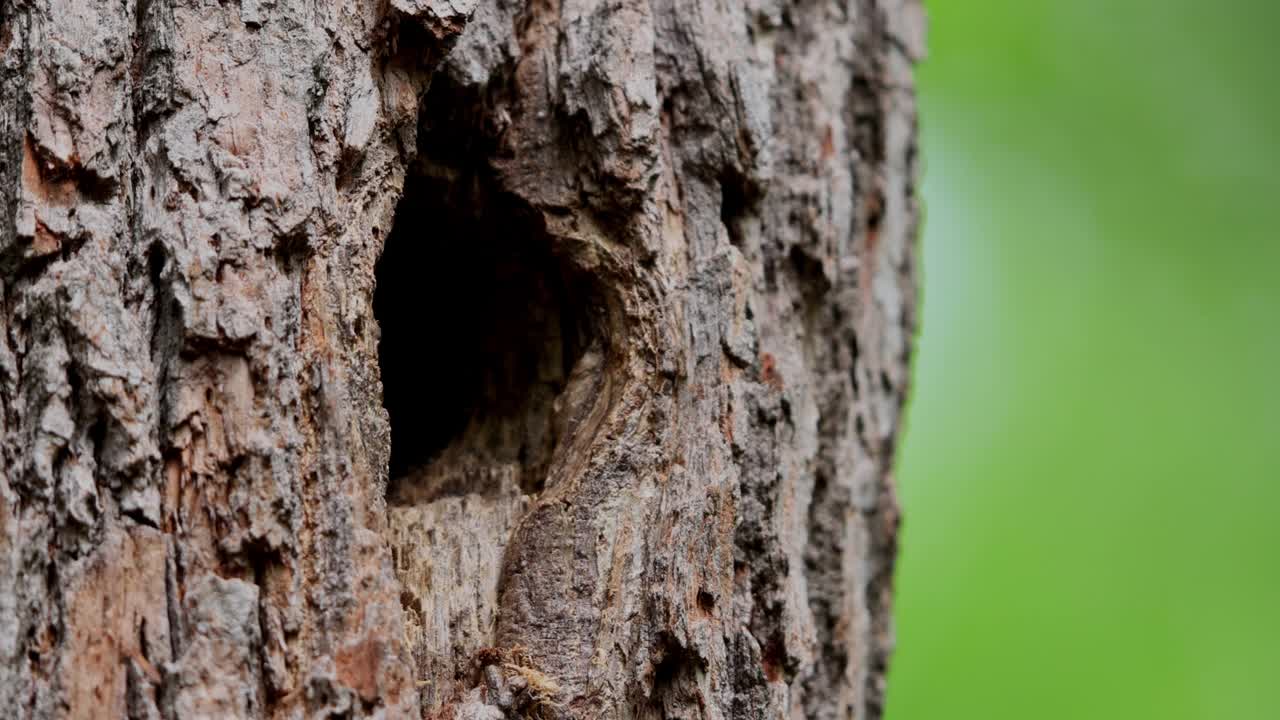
1091	468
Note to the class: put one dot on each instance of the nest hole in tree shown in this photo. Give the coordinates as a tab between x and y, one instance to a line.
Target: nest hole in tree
480	325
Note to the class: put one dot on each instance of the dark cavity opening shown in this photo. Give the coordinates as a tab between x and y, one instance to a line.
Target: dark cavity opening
480	328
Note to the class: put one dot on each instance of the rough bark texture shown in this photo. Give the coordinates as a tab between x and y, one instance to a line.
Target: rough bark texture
644	313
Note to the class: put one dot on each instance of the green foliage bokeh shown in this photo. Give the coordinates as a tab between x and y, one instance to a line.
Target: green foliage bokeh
1091	467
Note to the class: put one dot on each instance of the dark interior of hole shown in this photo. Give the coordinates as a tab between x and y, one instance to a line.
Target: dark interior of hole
480	327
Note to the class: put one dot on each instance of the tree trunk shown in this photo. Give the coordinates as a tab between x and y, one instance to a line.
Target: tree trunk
452	359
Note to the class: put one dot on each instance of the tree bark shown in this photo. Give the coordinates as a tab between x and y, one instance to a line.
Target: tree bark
642	322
